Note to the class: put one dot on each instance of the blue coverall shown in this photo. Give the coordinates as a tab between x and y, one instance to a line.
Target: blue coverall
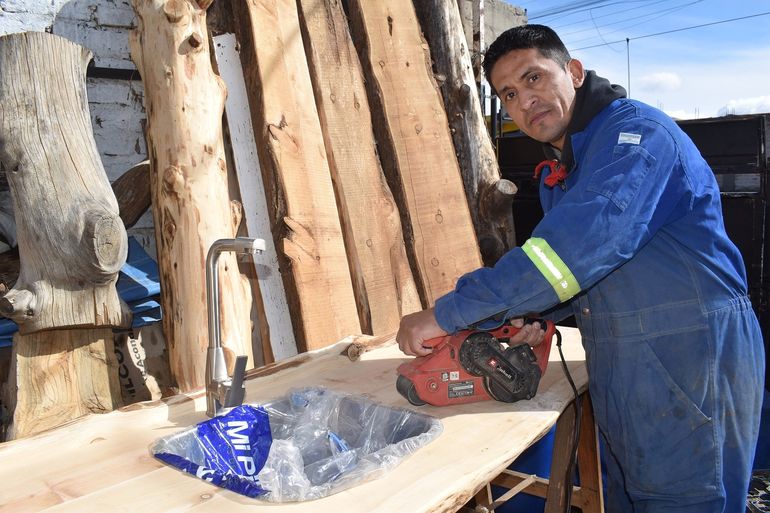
633	243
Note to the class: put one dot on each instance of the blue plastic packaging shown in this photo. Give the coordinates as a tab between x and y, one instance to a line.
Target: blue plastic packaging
306	445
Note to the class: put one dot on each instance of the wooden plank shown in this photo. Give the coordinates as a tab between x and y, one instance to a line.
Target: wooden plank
589	496
512	478
132	191
415	145
489	196
114	469
305	220
563	451
382	279
252	188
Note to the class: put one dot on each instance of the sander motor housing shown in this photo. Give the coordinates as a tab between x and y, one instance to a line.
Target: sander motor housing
473	365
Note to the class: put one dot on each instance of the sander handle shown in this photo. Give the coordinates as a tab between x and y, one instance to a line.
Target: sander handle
505	331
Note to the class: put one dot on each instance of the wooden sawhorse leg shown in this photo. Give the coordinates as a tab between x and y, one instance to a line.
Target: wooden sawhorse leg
588	496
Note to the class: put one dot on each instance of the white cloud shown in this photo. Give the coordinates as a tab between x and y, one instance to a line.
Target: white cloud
704	88
660	81
754	105
678	114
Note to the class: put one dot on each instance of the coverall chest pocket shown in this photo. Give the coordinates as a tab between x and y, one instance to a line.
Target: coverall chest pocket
621	179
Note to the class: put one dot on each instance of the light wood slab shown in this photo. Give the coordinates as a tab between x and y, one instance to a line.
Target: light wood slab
103	463
414	144
304	217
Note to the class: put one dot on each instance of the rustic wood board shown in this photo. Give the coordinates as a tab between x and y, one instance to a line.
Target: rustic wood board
489	197
382	278
415	144
102	463
305	222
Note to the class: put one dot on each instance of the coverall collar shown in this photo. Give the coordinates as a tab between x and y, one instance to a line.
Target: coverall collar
590	98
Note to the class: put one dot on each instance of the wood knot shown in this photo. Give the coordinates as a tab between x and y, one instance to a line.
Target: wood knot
195	40
19	305
107	237
169	231
175	10
173	180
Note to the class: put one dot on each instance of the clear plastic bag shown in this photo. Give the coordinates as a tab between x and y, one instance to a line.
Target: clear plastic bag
309	444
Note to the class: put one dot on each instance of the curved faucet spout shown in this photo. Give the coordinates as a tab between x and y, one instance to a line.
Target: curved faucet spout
218	382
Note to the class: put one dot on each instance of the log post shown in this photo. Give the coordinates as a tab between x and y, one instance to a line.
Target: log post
184	100
71	240
490	197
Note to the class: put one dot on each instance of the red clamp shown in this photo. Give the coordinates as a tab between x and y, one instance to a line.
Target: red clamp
558	172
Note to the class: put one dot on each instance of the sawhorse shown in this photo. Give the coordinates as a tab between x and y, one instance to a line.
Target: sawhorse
587	496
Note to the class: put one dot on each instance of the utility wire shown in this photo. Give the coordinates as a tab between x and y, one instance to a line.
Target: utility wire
560	28
648	18
672	31
578	9
570	7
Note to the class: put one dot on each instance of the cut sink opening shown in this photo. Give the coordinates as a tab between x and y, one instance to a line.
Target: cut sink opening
311	443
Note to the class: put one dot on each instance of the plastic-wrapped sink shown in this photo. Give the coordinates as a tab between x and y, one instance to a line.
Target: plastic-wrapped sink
309	444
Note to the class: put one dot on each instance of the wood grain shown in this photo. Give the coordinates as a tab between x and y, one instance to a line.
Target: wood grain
115	471
382	278
305	222
489	197
415	144
71	241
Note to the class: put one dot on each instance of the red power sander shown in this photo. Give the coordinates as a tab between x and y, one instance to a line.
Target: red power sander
473	365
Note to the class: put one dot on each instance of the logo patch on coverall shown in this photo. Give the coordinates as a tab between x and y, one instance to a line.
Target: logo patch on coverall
626	138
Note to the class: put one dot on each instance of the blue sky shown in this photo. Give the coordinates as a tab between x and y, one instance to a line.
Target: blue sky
696	73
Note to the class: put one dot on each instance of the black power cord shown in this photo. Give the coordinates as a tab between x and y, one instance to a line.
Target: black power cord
569	478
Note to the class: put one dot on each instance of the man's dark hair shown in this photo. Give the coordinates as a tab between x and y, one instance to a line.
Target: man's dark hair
540	37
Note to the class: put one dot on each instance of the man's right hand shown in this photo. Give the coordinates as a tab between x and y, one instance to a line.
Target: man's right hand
415	329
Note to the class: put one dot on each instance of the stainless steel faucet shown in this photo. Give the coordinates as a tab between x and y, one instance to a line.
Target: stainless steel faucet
222	391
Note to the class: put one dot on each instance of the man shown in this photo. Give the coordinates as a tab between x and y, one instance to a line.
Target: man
633	244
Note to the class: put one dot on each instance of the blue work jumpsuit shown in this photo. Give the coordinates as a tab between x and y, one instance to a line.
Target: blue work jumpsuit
633	243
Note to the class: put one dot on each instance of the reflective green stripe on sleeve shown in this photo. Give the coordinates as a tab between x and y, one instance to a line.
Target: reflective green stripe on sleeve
555	271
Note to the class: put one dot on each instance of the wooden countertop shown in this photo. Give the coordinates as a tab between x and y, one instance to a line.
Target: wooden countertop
103	463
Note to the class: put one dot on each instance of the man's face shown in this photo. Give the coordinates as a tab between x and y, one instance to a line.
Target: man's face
538	94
